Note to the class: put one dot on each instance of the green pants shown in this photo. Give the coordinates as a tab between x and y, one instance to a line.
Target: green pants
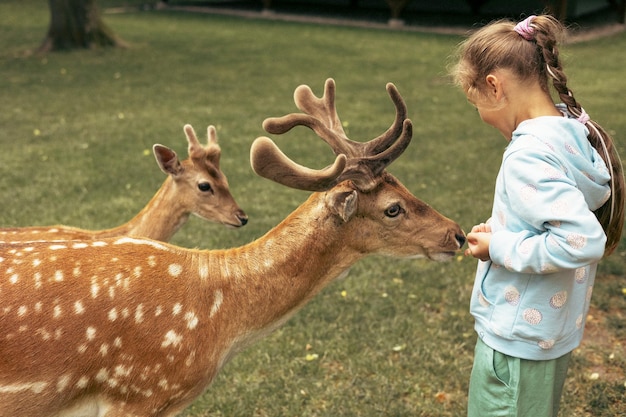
505	386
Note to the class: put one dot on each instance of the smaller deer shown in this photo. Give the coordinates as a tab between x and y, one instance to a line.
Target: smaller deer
129	327
196	185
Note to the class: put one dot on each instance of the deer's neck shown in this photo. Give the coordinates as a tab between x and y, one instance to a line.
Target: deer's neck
262	284
160	219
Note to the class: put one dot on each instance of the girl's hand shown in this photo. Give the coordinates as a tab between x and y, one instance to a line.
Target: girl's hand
478	242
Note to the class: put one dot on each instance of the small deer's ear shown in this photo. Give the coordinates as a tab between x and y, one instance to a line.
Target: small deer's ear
342	201
167	160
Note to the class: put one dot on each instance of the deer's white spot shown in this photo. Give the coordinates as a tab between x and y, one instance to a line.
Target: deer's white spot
204	272
80	245
90	333
38	307
22	311
82	348
36	262
82	382
36	387
163	384
174	270
117	342
102	375
125	312
95	289
158	311
121	370
45	335
104	349
62	382
112	314
171	339
58	276
192	320
79	308
137	272
57	247
14	278
98	244
152	261
217	302
190	359
139	314
57	311
177	309
37	277
76	271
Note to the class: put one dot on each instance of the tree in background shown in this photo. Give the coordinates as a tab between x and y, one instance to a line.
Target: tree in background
77	24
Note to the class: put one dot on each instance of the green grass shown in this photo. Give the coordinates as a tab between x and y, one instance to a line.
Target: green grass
75	128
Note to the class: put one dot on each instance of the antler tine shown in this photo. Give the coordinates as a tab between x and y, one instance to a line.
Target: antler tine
192	139
384	141
211	133
270	162
319	115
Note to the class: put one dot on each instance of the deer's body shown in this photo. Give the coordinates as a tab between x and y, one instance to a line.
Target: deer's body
126	327
193	186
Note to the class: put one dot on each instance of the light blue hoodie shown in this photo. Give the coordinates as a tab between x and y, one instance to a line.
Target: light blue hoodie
531	300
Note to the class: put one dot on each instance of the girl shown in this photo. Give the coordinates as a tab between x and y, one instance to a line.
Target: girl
558	209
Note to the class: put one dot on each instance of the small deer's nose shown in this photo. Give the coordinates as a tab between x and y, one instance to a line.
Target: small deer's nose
243	219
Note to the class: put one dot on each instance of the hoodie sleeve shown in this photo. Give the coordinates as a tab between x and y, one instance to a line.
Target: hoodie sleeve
555	228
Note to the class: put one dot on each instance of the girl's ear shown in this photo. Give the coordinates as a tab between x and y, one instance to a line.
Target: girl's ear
494	86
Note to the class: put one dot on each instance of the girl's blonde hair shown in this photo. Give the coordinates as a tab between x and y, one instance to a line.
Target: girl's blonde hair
536	57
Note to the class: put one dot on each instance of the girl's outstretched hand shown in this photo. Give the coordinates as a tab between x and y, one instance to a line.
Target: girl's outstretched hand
478	242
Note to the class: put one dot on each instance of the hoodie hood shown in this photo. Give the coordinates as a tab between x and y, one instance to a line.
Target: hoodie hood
566	139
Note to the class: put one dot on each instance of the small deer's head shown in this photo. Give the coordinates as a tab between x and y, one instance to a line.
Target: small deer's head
200	181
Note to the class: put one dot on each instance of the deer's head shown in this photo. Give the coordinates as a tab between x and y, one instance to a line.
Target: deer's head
385	217
200	181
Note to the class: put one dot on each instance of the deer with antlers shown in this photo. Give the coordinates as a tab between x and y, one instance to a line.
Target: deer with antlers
129	327
196	185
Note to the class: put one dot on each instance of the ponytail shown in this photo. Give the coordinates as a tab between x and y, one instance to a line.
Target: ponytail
611	214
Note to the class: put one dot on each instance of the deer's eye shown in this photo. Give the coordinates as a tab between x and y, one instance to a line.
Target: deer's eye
393	211
204	187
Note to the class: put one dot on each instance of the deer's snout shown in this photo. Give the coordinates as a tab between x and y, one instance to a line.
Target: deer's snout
460	238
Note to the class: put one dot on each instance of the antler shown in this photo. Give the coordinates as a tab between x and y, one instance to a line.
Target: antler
360	162
196	151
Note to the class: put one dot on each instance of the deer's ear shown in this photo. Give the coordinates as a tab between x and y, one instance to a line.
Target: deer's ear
167	160
342	201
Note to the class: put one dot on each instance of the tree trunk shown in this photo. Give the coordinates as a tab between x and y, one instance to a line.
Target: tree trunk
76	24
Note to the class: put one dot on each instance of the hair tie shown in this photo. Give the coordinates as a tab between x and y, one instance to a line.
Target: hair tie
584	117
524	29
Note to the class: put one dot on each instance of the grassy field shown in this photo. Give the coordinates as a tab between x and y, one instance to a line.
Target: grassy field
394	338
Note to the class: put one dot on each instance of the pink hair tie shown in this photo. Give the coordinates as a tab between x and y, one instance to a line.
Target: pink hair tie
584	117
524	28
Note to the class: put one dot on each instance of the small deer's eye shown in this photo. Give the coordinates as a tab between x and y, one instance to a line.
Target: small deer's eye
393	211
204	187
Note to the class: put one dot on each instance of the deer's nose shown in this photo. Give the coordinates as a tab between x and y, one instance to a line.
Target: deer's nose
460	238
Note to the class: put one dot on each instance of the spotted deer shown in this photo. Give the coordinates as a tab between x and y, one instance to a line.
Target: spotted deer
128	327
196	185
